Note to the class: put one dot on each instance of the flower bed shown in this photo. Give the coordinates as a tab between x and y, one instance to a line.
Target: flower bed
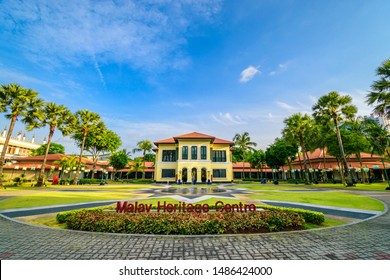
185	223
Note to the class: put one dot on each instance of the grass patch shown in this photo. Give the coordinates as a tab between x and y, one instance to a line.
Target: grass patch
55	198
338	199
327	223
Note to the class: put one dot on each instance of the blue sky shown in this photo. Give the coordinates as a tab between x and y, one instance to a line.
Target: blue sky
156	69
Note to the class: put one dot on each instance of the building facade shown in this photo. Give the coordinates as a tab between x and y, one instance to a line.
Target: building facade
193	158
18	146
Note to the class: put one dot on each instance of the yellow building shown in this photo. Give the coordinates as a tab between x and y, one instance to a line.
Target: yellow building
18	146
193	158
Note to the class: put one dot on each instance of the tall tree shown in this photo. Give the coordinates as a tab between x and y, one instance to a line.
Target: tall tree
278	153
244	143
17	102
257	160
55	148
84	122
143	146
56	117
68	164
380	90
297	129
99	140
337	108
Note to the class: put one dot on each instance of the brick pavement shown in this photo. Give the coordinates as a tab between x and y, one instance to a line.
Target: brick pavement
366	240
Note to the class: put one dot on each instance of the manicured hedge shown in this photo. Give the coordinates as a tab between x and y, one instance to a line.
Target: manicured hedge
185	223
309	216
63	216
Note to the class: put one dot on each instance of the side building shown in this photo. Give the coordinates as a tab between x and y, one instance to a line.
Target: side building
193	158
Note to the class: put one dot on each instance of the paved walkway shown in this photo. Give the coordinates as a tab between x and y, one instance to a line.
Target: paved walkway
366	240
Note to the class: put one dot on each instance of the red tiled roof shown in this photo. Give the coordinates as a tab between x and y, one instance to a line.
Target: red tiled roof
165	141
194	135
221	141
50	157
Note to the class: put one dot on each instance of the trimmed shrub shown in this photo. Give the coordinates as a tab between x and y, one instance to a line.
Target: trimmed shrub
312	217
63	216
185	223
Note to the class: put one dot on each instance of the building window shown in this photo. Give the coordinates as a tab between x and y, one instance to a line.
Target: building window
184	152
169	155
194	152
203	152
219	156
168	173
219	173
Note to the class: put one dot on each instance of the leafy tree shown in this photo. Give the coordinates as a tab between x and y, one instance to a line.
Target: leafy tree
150	157
56	117
380	90
257	160
143	146
136	165
244	143
17	102
55	148
337	108
279	152
99	140
297	129
85	122
119	160
68	164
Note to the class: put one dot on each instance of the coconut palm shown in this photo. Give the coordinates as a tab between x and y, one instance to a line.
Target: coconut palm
84	122
297	129
144	146
17	102
56	117
138	164
244	143
380	94
337	108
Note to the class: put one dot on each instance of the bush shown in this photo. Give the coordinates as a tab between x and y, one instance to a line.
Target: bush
136	181
63	216
309	216
90	181
185	223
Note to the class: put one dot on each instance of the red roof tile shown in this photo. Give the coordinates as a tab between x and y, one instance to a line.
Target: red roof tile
194	135
221	141
165	141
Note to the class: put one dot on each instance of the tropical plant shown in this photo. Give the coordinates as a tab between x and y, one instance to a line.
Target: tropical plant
297	129
55	148
68	164
380	90
85	121
257	160
56	117
99	140
337	108
136	165
17	102
143	146
244	143
119	160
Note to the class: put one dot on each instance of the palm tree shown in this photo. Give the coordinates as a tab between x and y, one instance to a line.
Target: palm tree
337	108
297	128
144	146
84	122
68	164
138	164
17	102
243	142
380	94
55	116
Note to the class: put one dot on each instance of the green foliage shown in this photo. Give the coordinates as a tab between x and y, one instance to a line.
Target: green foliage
380	90
150	157
90	181
119	160
278	153
186	223
54	149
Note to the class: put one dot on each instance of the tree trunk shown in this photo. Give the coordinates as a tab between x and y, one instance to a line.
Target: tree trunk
361	167
95	159
143	165
4	151
304	159
347	174
41	178
76	177
300	164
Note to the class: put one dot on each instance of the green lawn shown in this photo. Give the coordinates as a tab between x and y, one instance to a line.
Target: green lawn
336	198
55	198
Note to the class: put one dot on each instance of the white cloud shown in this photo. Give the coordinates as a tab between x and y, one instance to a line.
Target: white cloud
228	119
248	73
286	106
182	104
142	34
281	68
